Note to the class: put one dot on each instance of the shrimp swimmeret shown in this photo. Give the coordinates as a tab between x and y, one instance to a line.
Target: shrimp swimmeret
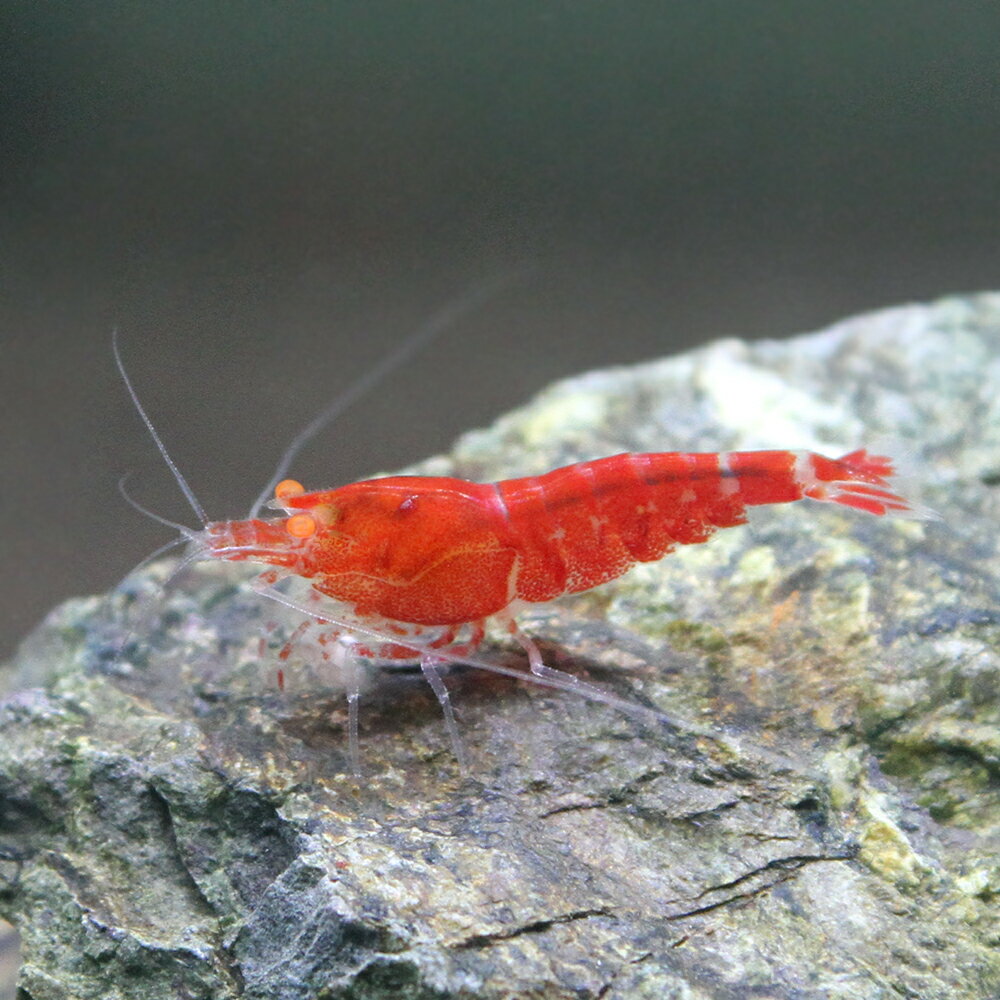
413	566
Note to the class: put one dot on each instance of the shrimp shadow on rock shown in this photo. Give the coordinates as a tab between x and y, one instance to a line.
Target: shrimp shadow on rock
502	719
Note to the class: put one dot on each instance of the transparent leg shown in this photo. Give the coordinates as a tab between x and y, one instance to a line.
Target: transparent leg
376	634
346	658
347	662
558	678
429	665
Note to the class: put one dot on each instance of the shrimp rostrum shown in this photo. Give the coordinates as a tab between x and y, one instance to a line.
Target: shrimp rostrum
414	566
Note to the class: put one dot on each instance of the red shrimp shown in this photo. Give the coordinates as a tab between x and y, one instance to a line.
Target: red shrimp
435	551
412	561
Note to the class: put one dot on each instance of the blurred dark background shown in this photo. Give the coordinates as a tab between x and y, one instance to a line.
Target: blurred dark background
266	197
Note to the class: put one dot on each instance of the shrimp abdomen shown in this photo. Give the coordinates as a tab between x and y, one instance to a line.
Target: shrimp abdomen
585	524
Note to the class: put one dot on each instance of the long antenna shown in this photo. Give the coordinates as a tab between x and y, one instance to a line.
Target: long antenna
416	341
181	481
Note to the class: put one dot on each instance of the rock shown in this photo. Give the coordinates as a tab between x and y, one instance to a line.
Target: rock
823	822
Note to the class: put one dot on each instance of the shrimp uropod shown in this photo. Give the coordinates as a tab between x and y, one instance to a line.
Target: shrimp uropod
412	567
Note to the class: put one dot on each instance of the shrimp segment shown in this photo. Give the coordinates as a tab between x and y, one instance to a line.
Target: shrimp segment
434	551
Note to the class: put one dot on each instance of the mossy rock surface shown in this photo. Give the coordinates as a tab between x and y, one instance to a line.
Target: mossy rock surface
822	822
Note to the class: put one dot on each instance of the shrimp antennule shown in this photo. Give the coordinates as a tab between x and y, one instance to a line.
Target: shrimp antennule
185	531
171	464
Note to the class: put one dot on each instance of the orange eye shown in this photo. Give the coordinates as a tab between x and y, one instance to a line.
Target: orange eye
301	525
288	488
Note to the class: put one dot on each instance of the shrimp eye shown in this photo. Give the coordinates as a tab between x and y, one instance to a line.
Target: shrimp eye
301	525
288	488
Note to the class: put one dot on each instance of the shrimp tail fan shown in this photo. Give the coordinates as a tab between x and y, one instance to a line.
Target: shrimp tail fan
868	482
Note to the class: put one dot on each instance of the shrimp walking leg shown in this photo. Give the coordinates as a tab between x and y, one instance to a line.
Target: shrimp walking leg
546	673
346	659
429	666
292	641
345	656
329	612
